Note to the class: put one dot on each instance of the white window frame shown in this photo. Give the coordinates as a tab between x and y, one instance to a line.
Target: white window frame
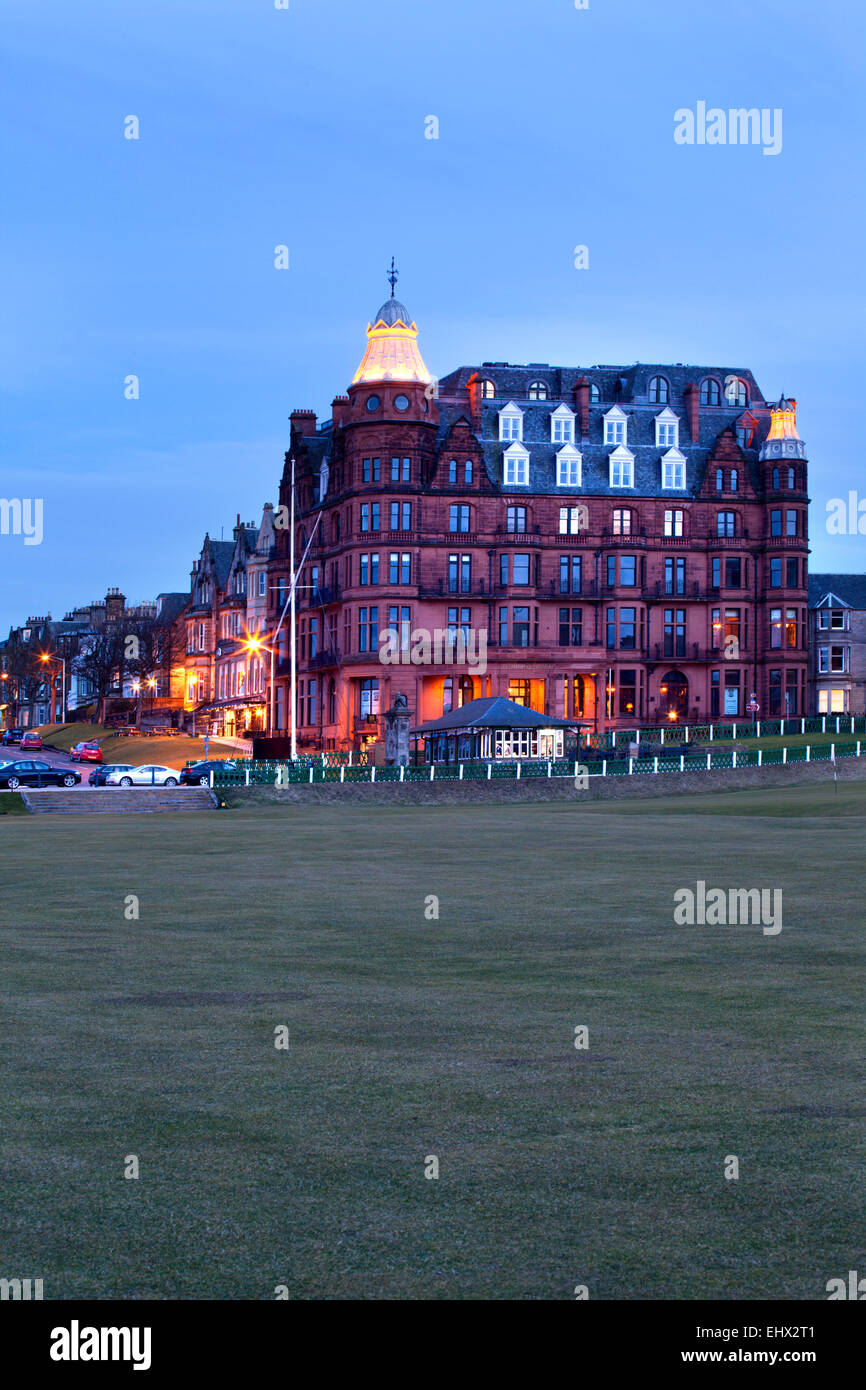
621	462
616	427
675	461
515	466
562	426
511	424
665	422
568	461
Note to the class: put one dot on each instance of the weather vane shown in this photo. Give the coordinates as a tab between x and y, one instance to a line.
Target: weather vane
393	276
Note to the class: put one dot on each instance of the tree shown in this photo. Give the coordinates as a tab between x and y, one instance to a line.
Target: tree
100	661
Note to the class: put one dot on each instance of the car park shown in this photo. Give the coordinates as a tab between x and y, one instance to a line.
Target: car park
24	773
99	776
147	775
198	774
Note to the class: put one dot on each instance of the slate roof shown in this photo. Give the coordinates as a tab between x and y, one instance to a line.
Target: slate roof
626	387
222	553
494	712
172	607
851	588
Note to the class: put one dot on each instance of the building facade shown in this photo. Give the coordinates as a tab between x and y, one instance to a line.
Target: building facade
837	612
626	545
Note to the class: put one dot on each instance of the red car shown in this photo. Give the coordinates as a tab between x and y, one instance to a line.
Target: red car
86	753
30	740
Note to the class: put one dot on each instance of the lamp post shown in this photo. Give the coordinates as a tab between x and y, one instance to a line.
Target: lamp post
136	690
49	656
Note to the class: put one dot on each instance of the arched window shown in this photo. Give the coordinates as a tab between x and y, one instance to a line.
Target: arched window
673	696
488	390
775	480
735	391
735	477
594	395
578	696
659	391
792	477
538	391
710	394
720	480
465	690
447	695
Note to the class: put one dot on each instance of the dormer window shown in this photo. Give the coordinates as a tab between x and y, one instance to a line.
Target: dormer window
538	391
594	394
659	391
673	469
569	464
621	468
615	426
488	390
735	391
515	466
667	430
562	426
710	393
511	422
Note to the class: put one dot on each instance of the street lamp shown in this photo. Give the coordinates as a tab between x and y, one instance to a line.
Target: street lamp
48	656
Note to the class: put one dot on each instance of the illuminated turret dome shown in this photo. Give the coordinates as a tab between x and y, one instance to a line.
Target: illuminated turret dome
392	345
783	441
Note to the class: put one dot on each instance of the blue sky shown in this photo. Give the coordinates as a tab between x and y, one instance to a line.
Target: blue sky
305	127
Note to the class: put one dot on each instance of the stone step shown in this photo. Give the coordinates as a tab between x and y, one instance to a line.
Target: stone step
116	800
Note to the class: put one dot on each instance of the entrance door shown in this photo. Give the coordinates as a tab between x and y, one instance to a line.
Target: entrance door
674	695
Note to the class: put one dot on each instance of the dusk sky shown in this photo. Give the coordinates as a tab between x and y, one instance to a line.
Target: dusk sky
306	127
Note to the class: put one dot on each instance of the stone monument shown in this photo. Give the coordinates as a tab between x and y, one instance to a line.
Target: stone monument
397	721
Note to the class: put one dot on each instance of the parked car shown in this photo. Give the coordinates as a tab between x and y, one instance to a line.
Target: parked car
86	752
99	775
31	740
147	775
198	774
21	773
12	736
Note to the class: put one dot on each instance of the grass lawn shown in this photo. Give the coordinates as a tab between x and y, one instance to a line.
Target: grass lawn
454	1037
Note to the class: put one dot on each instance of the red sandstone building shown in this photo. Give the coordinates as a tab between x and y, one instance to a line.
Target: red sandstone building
630	541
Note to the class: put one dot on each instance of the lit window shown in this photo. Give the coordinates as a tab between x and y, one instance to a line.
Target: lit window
488	390
622	521
673	523
571	520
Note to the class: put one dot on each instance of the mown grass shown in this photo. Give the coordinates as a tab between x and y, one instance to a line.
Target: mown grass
412	1036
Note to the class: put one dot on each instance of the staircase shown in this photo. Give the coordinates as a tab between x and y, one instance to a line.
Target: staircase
114	801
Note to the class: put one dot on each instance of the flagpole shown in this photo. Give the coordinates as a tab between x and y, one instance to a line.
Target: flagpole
293	681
